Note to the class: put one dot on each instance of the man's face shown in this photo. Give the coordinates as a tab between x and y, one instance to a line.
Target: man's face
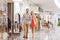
27	10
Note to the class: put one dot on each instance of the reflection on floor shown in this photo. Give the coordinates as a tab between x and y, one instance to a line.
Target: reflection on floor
39	35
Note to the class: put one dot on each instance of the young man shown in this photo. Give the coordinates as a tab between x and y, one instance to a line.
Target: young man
26	20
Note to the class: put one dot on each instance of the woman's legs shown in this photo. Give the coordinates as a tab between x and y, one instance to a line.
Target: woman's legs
33	30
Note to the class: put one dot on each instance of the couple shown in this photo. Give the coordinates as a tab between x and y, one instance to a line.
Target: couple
28	20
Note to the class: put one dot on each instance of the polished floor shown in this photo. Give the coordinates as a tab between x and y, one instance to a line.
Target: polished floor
43	34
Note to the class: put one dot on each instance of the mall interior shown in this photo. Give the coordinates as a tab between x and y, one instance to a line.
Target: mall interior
47	19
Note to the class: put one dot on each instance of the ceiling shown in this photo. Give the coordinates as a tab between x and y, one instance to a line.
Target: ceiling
47	5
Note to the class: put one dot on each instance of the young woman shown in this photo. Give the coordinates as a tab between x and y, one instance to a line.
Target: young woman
32	24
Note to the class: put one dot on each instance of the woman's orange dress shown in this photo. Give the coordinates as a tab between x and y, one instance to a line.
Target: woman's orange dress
32	22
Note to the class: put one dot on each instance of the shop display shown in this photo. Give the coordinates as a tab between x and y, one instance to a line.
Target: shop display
2	24
17	23
2	21
3	18
45	24
16	29
37	21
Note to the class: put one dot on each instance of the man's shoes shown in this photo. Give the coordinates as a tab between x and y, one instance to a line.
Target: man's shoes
25	37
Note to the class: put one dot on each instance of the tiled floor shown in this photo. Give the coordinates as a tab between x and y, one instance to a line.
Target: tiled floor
39	35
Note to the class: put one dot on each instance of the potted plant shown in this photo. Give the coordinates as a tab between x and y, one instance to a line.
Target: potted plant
58	23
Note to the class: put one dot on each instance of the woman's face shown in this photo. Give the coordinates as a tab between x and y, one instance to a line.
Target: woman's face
32	13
